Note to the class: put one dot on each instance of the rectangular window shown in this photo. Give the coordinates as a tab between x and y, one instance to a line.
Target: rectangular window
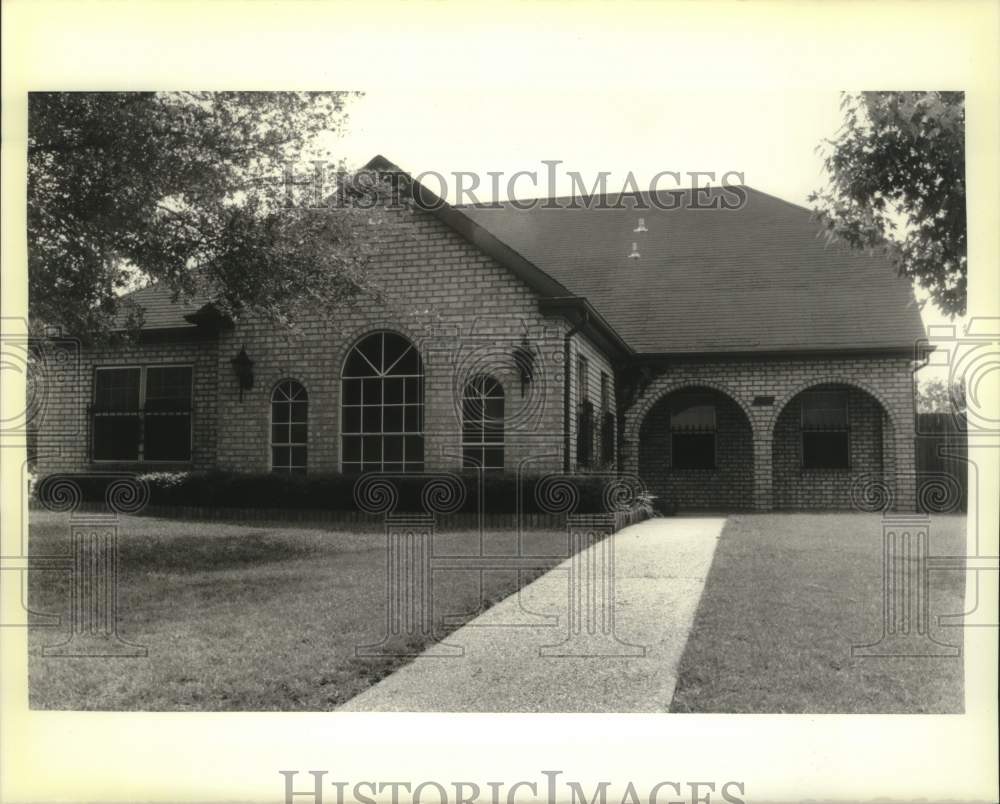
692	433
825	430
142	414
582	380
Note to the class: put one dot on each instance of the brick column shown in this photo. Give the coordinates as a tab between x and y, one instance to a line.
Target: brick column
763	497
905	457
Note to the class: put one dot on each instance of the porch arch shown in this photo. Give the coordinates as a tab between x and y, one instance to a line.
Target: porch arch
868	479
694	447
666	386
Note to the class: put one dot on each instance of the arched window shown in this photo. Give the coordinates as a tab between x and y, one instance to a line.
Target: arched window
382	406
289	423
482	423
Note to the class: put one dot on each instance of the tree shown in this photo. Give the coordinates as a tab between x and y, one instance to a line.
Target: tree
897	183
935	396
185	189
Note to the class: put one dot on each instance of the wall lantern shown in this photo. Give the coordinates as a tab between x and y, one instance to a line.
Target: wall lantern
524	359
243	366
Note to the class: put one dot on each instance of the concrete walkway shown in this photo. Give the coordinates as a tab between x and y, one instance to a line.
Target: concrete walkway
660	568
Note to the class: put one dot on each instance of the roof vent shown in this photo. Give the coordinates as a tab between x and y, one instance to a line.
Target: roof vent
641	227
635	252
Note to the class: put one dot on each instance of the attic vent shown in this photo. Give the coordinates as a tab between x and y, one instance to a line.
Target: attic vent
641	227
635	252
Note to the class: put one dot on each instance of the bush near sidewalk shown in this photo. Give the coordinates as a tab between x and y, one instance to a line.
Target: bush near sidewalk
335	492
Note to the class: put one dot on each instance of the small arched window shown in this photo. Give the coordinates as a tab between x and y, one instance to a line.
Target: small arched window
382	406
289	427
482	423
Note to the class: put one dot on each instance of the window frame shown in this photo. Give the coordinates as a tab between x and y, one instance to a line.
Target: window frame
483	421
846	431
270	429
408	466
713	431
140	413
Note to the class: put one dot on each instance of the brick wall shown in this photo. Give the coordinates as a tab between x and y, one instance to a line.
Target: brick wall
887	380
465	313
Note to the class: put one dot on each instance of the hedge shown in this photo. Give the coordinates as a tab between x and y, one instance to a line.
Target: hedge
443	492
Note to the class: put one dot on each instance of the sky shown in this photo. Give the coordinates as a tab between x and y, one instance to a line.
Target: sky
769	137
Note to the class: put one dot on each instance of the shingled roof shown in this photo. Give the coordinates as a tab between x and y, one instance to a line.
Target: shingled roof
759	278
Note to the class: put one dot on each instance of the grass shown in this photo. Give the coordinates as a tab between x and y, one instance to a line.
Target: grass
787	596
243	617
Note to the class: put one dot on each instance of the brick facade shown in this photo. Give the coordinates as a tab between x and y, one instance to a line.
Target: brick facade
882	424
467	313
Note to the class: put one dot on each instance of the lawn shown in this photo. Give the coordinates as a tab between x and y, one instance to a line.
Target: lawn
787	596
244	616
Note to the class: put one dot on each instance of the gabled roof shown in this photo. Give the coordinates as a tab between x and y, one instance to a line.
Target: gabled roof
759	278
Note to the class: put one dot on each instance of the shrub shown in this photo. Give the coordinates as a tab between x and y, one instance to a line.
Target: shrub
336	492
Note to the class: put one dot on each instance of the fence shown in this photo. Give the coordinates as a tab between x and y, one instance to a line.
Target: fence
942	451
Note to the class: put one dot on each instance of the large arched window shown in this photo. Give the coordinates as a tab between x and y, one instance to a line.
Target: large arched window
382	406
289	424
482	423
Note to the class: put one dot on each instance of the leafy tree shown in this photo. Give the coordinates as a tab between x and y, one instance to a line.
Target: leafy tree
935	396
897	182
186	189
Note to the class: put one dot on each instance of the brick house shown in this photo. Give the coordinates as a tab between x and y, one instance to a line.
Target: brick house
728	356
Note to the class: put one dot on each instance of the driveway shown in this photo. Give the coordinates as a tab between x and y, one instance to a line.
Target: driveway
659	572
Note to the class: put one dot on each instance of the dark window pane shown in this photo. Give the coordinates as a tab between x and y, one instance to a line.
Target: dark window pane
371	420
350	467
393	467
279	433
393	448
472	457
414	389
493	457
279	412
372	394
414	446
300	411
411	417
371	350
352	392
298	456
409	363
493	433
472	432
371	449
393	390
494	409
392	420
280	456
167	438
692	414
824	410
298	434
116	389
352	449
825	450
116	438
352	420
168	388
693	450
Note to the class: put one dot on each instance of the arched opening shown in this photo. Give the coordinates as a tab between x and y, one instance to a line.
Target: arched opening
289	427
695	451
826	437
483	424
382	406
